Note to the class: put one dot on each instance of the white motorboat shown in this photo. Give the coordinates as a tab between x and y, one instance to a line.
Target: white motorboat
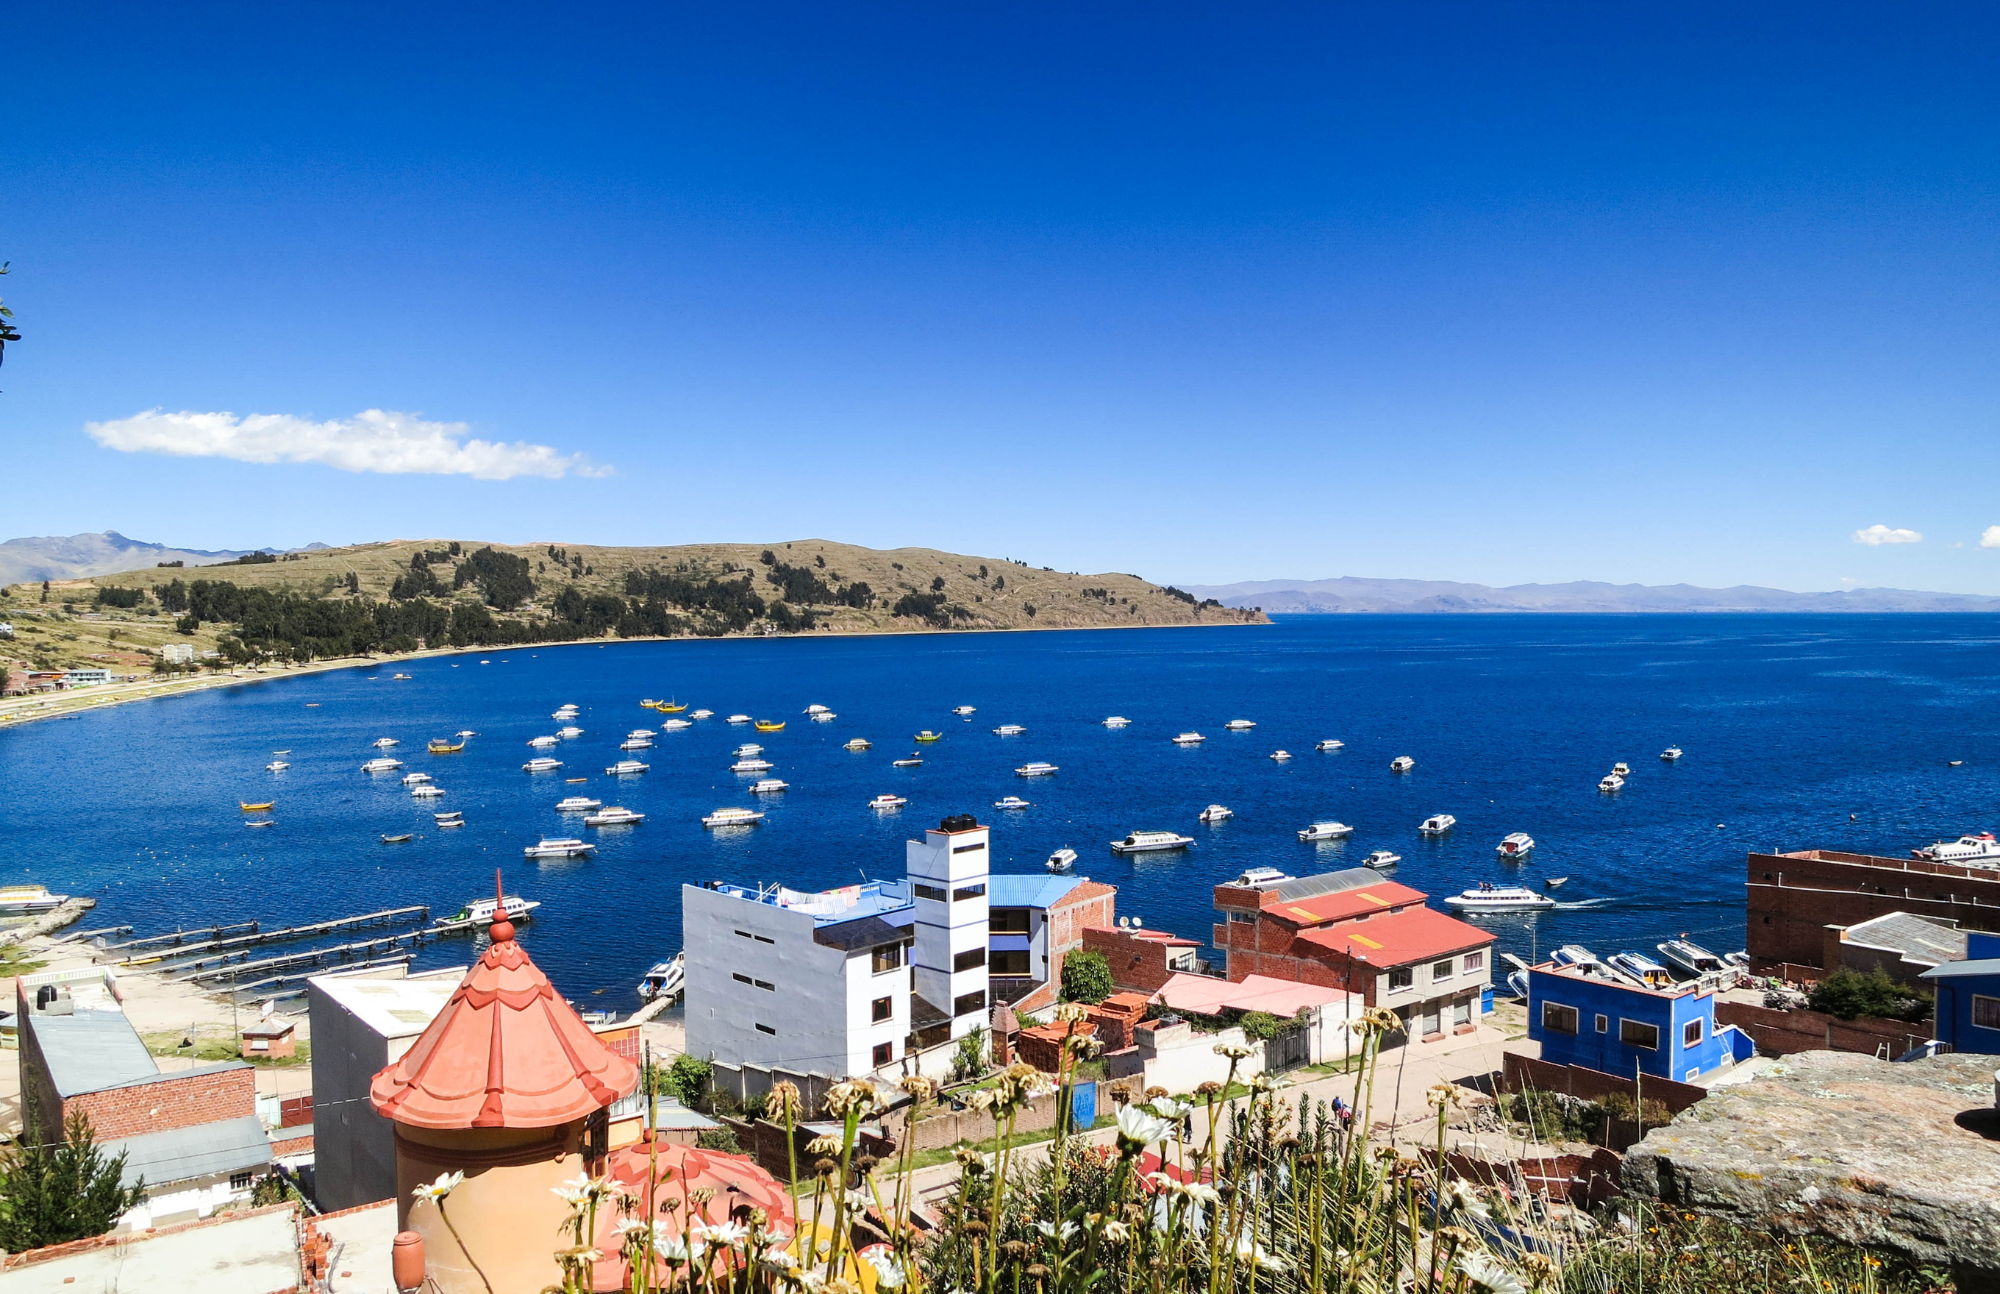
1641	968
559	847
769	786
1217	813
415	779
1610	782
1330	744
1517	983
1554	882
446	824
542	764
1382	860
564	711
577	804
635	743
25	900
426	792
739	718
818	709
752	766
1039	768
1973	849
701	714
1148	842
825	716
479	913
676	725
543	742
443	814
962	710
1690	958
1402	764
1573	955
1012	802
1189	739
1620	769
1325	831
383	743
615	816
1487	897
913	760
381	765
747	749
276	766
887	801
1009	730
1437	824
570	733
1516	844
626	767
1281	755
733	817
1061	861
857	743
665	979
465	732
1240	725
1740	959
1117	721
1671	753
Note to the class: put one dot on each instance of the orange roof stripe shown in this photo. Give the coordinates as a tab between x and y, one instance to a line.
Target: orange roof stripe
1342	905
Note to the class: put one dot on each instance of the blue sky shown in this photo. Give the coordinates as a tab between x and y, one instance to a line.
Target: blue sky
1481	292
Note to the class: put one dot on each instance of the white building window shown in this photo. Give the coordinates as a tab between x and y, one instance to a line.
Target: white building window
1441	970
1557	1018
1474	961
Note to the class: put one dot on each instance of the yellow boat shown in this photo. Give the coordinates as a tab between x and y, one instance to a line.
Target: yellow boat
439	746
647	703
765	725
928	735
668	707
255	808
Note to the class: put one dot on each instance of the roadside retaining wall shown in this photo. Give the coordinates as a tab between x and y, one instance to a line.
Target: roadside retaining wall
1781	1033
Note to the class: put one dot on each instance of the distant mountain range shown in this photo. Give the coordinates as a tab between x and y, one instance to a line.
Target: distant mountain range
75	557
1352	594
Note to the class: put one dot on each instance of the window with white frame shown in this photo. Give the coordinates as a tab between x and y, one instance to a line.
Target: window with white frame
1690	1033
1441	970
1985	1011
1557	1018
1637	1033
1474	961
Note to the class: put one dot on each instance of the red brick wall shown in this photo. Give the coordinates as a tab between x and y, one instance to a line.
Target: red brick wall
1042	1046
1780	1033
1593	1085
175	1101
1794	897
1067	923
1137	965
1590	1179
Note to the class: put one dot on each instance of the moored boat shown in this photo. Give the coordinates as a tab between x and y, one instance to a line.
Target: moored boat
1147	842
1009	730
1515	844
1281	755
1437	824
559	847
888	801
912	760
25	900
1117	721
769	786
577	804
426	792
1330	743
381	765
542	764
1402	764
752	765
747	750
1217	813
928	735
626	768
615	816
255	808
1240	725
543	742
479	914
276	766
383	743
1382	860
1641	968
857	743
739	718
665	979
1039	768
962	710
1328	830
1061	861
442	746
1012	802
405	838
1671	753
769	725
730	816
1189	739
415	779
1610	782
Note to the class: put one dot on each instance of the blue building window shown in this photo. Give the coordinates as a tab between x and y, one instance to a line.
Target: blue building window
1557	1018
1985	1012
1637	1033
1691	1033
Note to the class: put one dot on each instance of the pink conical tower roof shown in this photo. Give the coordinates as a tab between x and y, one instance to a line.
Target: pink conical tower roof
506	1052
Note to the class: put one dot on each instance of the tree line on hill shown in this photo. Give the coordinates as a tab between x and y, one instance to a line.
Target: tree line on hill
424	608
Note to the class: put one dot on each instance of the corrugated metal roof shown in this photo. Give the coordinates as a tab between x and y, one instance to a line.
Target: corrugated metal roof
1414	934
1952	970
90	1050
1028	891
1306	887
1917	938
204	1150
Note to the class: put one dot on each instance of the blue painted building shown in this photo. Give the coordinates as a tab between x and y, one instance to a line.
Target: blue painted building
1596	1022
1968	996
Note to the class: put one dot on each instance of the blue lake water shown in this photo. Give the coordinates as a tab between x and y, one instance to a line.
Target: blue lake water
1790	724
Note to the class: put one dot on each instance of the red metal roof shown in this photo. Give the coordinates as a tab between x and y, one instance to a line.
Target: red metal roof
506	1052
1412	935
1342	905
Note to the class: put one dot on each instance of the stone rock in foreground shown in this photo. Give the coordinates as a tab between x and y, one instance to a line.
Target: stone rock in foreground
1903	1157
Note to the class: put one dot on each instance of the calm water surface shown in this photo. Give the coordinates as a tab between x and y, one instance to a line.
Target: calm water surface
1791	724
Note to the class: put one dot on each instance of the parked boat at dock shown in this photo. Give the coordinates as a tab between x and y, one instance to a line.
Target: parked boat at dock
26	900
1974	849
1690	958
1641	968
665	979
479	913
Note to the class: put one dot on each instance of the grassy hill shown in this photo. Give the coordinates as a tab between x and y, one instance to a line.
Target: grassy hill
577	590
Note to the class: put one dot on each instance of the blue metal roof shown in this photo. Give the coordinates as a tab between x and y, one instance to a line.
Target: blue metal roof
1952	970
90	1050
1028	891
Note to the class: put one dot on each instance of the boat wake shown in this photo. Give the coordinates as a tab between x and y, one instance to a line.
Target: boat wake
1584	904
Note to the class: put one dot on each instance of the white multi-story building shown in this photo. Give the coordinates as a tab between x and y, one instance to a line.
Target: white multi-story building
845	981
177	653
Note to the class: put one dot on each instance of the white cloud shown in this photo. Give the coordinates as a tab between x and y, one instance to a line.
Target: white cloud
376	440
1990	537
1877	535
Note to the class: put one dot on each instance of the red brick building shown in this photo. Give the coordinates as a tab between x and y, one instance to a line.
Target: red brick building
1354	930
1794	897
1142	960
1033	923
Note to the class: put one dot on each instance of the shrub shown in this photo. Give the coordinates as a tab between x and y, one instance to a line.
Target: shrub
969	1061
126	598
1259	1024
687	1080
1086	977
1849	995
51	1193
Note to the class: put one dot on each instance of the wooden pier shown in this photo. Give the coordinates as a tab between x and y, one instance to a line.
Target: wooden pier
177	937
220	947
230	966
255	986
